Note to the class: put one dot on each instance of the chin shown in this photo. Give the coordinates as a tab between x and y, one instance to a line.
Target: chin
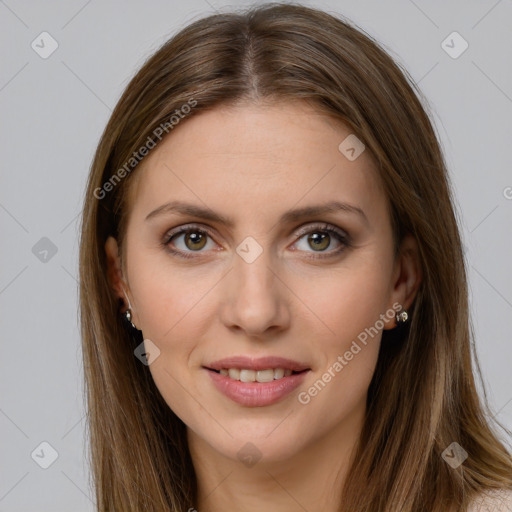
256	445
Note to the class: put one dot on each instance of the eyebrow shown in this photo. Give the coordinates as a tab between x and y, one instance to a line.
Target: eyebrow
179	207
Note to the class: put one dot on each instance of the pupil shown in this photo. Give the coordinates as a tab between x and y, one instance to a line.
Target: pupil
318	239
195	239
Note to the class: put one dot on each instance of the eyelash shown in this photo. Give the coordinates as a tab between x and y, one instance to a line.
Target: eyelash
321	228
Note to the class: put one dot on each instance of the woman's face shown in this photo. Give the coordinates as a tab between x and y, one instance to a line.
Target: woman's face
257	277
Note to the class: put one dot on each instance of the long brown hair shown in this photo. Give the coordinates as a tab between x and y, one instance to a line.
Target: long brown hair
423	395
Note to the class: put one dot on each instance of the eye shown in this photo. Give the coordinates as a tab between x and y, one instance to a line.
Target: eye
320	238
189	239
186	239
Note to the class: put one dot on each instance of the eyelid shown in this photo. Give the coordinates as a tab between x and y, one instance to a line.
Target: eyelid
184	228
307	228
321	226
304	229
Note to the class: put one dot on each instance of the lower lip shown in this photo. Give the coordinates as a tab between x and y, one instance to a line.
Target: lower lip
257	394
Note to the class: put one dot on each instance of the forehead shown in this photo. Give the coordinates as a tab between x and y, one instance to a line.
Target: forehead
250	157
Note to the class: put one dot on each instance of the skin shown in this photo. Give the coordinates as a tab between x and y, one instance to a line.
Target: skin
253	163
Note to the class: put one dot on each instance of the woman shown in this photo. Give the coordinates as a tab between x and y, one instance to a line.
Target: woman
274	302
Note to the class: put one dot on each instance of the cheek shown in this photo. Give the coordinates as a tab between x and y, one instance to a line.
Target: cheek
174	313
171	315
168	295
347	332
350	306
344	303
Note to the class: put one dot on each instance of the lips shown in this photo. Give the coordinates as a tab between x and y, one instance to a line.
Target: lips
257	393
256	364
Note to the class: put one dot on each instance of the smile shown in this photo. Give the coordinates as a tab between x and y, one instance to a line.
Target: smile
245	375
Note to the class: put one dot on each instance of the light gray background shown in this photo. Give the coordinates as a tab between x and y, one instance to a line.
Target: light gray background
53	111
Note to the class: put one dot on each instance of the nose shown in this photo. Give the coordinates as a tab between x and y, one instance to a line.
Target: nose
256	297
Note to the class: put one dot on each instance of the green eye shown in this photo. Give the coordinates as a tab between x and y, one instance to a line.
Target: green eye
195	240
190	239
320	238
319	241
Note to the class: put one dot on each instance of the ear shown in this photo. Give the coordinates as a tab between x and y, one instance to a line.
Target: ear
114	271
407	276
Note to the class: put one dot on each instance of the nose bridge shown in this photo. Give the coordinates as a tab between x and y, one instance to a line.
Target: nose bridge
256	300
253	271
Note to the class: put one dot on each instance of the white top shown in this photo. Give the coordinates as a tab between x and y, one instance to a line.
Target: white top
493	501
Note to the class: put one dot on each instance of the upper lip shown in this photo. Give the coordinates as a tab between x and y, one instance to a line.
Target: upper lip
260	363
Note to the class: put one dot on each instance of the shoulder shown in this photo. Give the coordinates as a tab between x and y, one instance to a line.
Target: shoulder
493	501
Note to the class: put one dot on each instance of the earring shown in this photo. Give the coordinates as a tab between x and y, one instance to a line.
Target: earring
402	317
134	333
128	316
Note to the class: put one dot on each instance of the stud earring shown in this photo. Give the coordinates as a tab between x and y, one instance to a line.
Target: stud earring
402	317
128	312
128	316
134	333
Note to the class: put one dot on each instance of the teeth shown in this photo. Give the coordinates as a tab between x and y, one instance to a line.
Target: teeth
244	375
234	373
247	375
265	375
278	373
